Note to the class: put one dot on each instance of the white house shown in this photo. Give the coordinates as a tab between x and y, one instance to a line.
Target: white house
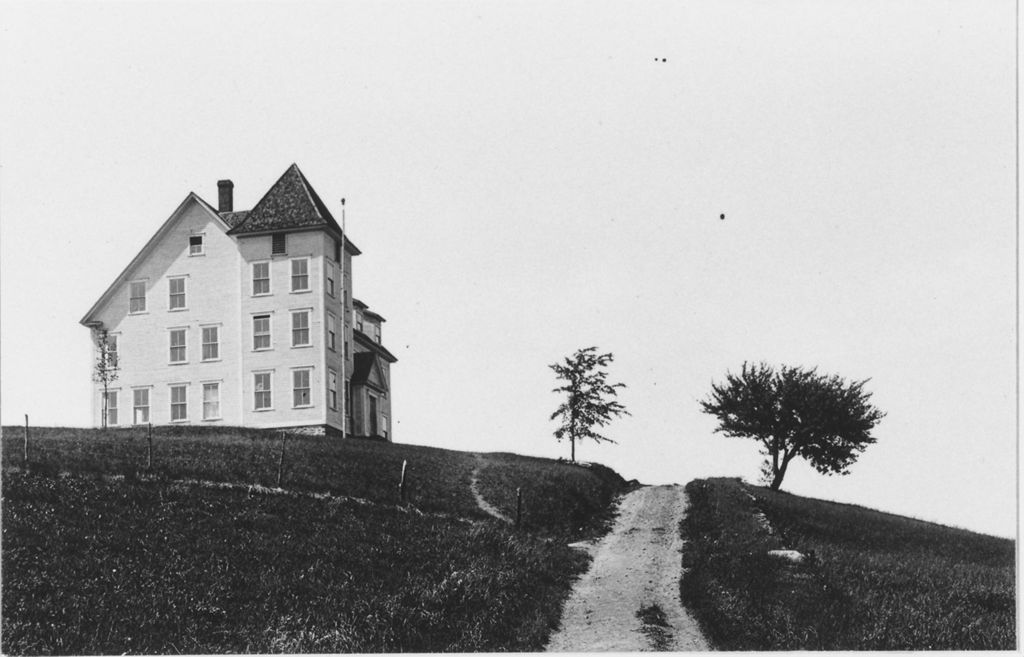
244	318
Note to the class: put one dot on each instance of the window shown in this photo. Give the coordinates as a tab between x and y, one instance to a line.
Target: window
211	346
384	425
278	244
261	332
177	288
300	274
195	245
376	333
111	396
178	345
261	386
337	251
359	321
179	403
137	297
140	405
300	388
332	389
211	401
348	400
111	351
260	278
332	325
330	279
300	328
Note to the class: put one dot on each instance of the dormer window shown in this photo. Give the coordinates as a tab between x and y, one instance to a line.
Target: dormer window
278	244
195	245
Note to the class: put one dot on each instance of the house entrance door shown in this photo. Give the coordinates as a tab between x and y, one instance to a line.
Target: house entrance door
373	415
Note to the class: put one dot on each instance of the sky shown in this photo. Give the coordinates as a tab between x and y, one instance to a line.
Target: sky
529	178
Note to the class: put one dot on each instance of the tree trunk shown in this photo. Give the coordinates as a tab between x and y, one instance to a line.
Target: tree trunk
572	443
779	472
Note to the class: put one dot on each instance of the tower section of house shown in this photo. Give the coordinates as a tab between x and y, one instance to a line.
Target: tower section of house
242	318
371	378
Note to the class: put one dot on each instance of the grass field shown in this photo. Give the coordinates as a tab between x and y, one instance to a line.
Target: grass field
101	565
875	581
560	496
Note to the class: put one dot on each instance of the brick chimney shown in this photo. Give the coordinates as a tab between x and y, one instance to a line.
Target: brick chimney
226	189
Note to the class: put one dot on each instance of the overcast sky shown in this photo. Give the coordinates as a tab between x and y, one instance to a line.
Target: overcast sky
526	179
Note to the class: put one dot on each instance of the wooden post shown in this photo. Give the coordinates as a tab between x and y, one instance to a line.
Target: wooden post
401	483
24	447
149	448
280	461
519	505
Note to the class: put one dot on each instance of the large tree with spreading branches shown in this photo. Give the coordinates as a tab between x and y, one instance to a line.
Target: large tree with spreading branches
589	401
793	412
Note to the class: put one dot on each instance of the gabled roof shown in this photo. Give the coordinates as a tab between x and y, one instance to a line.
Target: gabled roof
147	249
371	344
234	218
290	204
366	371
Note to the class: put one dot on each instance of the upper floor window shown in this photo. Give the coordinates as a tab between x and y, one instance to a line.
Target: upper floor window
177	290
211	343
195	245
376	333
332	327
109	347
330	279
300	328
337	251
260	332
137	297
278	244
300	274
332	389
260	278
359	321
178	345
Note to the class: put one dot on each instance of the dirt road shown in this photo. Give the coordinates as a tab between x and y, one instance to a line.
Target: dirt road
629	599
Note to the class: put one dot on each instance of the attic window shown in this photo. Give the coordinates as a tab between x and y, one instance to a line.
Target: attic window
195	245
337	251
278	245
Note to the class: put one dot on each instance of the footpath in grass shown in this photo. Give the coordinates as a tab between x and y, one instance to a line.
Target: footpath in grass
872	580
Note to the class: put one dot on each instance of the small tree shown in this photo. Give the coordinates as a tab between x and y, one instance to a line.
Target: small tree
106	368
589	402
795	412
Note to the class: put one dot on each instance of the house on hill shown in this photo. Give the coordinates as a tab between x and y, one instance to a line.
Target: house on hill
244	318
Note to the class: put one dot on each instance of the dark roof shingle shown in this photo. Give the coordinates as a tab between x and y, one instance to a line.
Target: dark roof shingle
291	203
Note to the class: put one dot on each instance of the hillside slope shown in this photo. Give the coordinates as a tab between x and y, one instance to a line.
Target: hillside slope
102	556
872	580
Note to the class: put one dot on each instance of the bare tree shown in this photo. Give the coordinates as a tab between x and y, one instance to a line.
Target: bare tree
589	399
106	367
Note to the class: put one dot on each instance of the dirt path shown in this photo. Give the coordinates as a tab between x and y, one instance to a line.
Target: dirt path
474	487
629	599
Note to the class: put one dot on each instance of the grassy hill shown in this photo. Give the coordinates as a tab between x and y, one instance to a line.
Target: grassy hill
103	556
872	580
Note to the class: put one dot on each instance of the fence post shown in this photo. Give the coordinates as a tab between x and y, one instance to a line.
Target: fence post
519	505
280	461
401	482
149	447
24	447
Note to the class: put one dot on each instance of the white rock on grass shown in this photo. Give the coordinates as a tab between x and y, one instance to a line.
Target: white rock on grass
791	556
